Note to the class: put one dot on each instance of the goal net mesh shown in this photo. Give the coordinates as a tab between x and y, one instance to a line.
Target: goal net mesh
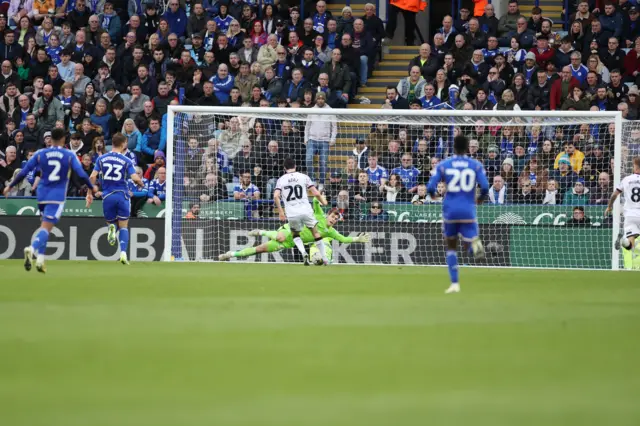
551	179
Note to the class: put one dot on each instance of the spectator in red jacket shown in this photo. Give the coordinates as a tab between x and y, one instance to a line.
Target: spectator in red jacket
544	53
632	63
562	87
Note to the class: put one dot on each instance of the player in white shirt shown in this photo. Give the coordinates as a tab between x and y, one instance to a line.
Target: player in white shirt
630	187
293	186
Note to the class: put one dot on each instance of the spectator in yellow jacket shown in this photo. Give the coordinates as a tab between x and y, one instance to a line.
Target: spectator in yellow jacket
576	157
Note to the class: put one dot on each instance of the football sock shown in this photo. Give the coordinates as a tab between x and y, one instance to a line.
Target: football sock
245	252
452	263
39	243
300	245
320	245
123	236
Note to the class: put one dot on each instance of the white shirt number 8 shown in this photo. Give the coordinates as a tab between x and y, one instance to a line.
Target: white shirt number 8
464	180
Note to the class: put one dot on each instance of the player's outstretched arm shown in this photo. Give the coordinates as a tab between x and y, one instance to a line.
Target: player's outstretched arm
612	200
276	201
137	180
314	191
362	237
94	176
131	171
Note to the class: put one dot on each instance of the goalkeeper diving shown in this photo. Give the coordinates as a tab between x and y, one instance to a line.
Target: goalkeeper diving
283	237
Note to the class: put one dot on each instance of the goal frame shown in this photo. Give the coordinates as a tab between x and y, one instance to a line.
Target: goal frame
614	116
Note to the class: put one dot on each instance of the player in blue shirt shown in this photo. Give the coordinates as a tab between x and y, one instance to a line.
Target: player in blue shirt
55	165
461	174
115	169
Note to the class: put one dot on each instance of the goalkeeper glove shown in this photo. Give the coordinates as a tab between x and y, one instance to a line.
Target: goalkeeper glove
362	237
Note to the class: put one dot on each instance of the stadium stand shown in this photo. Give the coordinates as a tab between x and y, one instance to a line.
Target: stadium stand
96	68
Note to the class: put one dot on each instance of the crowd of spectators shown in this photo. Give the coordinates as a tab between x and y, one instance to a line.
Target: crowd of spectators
101	67
518	63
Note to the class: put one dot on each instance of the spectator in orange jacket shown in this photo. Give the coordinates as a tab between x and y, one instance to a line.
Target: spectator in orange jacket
478	7
562	87
409	9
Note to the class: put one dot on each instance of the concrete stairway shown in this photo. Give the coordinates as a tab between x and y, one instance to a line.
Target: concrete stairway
389	71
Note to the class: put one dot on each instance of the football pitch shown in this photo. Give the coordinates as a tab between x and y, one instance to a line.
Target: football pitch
176	344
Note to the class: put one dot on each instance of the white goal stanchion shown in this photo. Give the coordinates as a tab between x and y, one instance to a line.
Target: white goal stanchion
222	163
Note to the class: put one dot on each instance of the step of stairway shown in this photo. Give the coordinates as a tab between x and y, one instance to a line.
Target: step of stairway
376	97
364	106
385	73
392	66
399	57
365	91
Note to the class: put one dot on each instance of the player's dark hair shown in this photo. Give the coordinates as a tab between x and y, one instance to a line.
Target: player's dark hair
118	140
289	164
636	162
461	144
58	136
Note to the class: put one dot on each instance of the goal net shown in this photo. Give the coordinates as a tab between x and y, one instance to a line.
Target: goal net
551	175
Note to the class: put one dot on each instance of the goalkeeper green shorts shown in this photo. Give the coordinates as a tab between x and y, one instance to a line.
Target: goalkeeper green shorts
288	237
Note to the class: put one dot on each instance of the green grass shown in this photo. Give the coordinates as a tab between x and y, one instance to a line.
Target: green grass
100	344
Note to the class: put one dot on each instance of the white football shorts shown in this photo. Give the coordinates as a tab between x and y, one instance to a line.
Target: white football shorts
631	226
297	222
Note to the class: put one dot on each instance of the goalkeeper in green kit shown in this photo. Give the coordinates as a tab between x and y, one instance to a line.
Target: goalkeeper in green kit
283	238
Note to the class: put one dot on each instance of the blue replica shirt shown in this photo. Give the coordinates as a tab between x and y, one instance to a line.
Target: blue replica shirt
157	188
223	23
55	165
23	118
580	73
115	170
408	176
70	5
429	103
319	22
138	192
377	174
461	174
54	54
131	156
249	191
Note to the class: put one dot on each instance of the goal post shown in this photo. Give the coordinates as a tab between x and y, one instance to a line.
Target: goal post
222	163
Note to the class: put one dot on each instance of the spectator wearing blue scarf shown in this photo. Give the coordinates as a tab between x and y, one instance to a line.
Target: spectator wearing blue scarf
110	21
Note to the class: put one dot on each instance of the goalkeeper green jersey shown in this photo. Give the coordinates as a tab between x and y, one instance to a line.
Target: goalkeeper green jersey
307	236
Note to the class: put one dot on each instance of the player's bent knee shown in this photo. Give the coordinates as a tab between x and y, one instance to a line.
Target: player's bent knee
123	224
280	237
47	225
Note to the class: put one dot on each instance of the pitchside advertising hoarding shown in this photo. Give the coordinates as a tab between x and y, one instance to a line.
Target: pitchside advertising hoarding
487	214
84	238
81	238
